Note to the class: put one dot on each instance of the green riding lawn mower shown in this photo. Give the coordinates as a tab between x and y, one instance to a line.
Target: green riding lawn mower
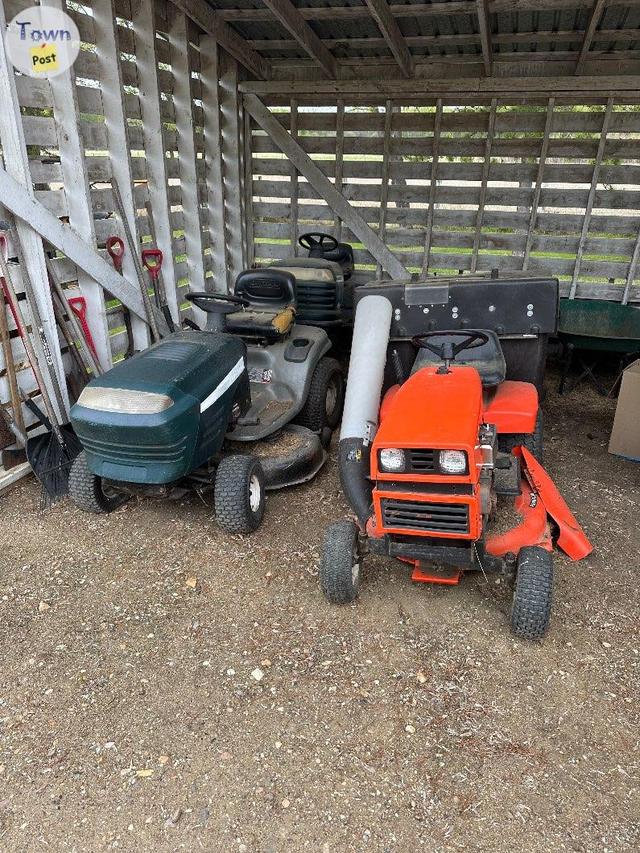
245	405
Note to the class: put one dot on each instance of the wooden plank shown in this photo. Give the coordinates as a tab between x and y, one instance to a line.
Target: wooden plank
384	188
392	35
433	186
325	188
213	25
484	27
339	163
538	186
483	185
292	20
293	130
232	172
17	177
145	29
8	478
591	197
73	162
248	188
384	87
61	236
594	20
187	146
209	71
632	273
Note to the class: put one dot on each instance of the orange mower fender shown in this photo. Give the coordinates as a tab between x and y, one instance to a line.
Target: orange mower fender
572	539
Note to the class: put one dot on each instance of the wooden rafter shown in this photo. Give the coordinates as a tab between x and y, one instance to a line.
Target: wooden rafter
484	27
408	10
594	20
210	21
292	20
392	34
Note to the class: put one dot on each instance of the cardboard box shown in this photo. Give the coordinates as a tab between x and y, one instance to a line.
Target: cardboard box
625	435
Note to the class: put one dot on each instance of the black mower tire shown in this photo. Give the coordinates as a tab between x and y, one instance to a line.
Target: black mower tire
87	492
341	563
237	479
532	597
533	441
314	414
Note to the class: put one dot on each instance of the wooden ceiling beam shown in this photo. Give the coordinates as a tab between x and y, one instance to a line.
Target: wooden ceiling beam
484	28
213	25
392	35
404	10
380	86
594	20
292	20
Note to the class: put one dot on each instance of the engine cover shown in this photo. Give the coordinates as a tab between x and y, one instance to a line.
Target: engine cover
203	373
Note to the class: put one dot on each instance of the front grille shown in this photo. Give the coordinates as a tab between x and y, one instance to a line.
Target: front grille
423	461
430	517
315	296
121	453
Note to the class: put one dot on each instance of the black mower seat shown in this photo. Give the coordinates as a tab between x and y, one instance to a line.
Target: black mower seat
272	309
487	359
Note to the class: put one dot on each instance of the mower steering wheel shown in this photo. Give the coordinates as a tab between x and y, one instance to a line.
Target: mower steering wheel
217	303
317	242
448	350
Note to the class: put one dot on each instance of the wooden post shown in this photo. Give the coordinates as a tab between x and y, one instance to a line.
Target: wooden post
112	91
548	126
486	166
183	104
293	215
209	54
78	194
230	119
591	198
633	270
18	178
384	188
248	189
339	169
433	186
145	31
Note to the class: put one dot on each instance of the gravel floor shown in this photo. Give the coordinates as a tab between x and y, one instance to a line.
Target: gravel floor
166	687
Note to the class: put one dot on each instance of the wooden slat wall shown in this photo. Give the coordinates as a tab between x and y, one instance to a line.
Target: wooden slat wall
41	136
528	166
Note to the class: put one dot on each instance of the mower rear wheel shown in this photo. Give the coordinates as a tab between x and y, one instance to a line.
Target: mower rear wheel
239	494
341	563
531	609
323	406
88	491
533	441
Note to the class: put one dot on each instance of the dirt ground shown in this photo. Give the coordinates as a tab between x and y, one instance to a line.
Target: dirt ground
167	687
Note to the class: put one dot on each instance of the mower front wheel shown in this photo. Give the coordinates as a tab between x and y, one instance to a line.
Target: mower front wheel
531	609
88	491
341	563
239	494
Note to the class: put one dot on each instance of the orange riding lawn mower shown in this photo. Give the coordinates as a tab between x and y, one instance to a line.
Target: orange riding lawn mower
441	430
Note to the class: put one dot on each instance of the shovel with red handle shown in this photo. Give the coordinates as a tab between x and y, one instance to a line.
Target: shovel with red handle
115	249
78	305
152	262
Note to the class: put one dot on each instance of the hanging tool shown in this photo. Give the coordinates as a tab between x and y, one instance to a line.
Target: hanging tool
152	261
78	305
50	454
148	307
89	356
115	250
78	378
158	281
9	365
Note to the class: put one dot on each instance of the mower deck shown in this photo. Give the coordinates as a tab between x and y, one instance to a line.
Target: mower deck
289	458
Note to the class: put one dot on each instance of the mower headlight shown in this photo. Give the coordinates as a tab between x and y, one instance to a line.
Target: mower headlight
392	460
453	461
124	401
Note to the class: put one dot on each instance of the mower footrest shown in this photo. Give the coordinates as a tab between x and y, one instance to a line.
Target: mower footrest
415	548
506	475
